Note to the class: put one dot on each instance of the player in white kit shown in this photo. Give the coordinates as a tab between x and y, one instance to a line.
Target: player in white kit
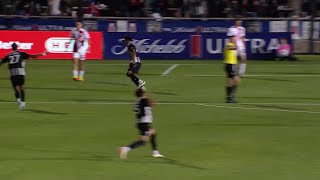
240	34
80	39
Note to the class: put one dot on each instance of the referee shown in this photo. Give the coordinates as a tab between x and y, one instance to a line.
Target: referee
231	68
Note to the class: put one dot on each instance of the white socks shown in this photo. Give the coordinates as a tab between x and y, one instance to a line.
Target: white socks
75	73
81	74
242	69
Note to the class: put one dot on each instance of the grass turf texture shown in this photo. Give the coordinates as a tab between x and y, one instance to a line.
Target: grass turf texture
71	130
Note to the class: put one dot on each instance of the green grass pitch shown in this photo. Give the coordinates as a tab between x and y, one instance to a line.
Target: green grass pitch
72	130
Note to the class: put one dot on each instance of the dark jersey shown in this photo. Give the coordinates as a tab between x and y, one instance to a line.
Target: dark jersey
131	49
16	63
143	111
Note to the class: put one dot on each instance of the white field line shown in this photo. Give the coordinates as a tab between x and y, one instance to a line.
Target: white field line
257	75
171	68
259	109
161	103
217	105
164	64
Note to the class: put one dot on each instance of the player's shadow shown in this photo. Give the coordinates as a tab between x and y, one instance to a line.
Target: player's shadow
108	83
267	97
169	161
38	111
289	108
76	89
47	155
271	79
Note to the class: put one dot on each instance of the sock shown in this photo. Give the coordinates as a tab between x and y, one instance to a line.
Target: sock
153	142
17	94
242	69
22	95
136	144
81	74
229	91
234	88
134	79
75	73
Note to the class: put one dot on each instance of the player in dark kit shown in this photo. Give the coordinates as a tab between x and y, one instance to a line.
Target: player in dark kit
135	63
143	110
16	66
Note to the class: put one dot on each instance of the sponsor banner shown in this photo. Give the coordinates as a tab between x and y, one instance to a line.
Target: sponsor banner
57	43
170	46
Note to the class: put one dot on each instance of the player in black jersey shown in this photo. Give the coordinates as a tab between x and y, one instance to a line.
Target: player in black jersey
143	110
16	65
135	63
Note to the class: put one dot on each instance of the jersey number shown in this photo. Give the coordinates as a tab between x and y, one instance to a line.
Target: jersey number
14	59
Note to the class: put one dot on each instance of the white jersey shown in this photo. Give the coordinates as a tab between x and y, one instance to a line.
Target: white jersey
239	33
81	38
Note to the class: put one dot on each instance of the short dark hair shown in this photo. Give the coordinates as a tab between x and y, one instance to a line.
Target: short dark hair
79	21
140	92
128	38
283	38
14	46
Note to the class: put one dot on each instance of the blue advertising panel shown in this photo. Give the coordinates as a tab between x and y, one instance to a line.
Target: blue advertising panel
171	46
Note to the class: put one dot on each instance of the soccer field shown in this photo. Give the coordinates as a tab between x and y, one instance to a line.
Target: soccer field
72	130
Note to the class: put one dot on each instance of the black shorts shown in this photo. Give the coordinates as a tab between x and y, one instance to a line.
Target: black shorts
231	70
134	67
144	128
17	80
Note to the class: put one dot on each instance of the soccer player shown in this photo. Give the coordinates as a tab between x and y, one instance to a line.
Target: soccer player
143	110
81	44
240	35
230	60
16	62
135	63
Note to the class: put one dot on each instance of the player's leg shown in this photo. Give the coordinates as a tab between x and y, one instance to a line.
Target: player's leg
229	87
16	91
75	66
144	136
81	63
154	145
132	70
81	70
243	62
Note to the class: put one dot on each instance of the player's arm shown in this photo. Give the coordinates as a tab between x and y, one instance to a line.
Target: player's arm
134	55
232	47
34	56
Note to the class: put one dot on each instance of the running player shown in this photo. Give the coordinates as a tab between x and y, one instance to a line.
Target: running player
240	34
144	117
81	44
135	63
16	62
230	60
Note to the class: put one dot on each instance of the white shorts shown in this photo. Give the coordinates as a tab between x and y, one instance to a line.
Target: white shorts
241	51
81	53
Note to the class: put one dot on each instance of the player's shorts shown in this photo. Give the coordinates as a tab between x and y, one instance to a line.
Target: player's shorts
144	128
17	80
231	70
241	51
134	67
81	53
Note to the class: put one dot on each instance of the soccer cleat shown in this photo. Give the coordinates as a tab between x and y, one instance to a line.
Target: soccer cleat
76	78
156	154
80	79
22	105
123	152
141	83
